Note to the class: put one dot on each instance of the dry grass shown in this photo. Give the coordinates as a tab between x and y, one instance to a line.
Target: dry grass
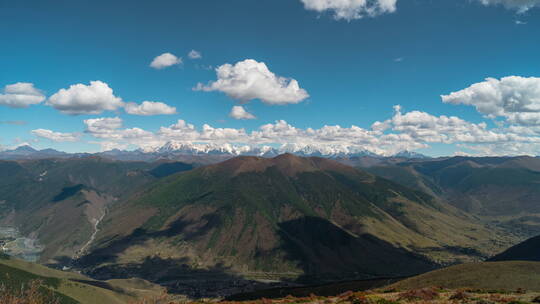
425	294
36	294
33	294
414	296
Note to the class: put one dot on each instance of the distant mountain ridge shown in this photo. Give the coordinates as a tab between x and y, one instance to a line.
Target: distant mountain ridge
502	190
174	149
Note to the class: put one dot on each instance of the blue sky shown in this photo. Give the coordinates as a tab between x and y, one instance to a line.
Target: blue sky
354	69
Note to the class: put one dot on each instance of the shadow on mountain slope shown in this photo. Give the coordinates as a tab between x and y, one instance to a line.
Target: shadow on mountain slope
179	277
109	252
327	252
323	251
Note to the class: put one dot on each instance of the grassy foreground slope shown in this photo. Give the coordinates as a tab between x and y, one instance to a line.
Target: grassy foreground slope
68	287
509	276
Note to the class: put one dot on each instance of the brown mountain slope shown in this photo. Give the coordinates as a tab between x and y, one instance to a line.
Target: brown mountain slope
282	217
501	190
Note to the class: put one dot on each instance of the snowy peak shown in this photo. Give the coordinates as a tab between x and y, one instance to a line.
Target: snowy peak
410	154
266	151
173	149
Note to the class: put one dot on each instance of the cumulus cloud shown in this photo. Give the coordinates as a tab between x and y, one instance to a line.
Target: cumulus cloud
56	136
247	80
351	9
238	112
98	97
165	60
147	108
110	129
100	127
85	99
21	95
194	54
520	6
515	98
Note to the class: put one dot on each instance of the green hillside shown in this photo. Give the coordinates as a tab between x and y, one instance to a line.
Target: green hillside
508	276
310	219
68	287
59	202
502	191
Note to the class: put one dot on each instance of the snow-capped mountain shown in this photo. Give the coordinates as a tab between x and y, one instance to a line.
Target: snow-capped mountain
410	154
212	149
176	150
183	148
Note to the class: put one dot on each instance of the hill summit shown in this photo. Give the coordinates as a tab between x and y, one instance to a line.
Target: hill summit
288	164
287	216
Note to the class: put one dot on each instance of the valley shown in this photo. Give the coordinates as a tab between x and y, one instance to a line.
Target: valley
249	224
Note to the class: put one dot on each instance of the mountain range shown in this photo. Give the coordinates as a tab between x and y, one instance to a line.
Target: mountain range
214	152
218	224
284	218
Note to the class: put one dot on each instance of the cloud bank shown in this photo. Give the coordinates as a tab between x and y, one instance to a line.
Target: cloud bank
403	131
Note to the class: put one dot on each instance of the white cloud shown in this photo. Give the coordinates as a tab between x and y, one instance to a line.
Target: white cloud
247	80
428	128
109	129
165	60
21	95
351	9
520	6
194	54
98	97
85	99
103	127
56	136
147	108
238	112
515	98
179	131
